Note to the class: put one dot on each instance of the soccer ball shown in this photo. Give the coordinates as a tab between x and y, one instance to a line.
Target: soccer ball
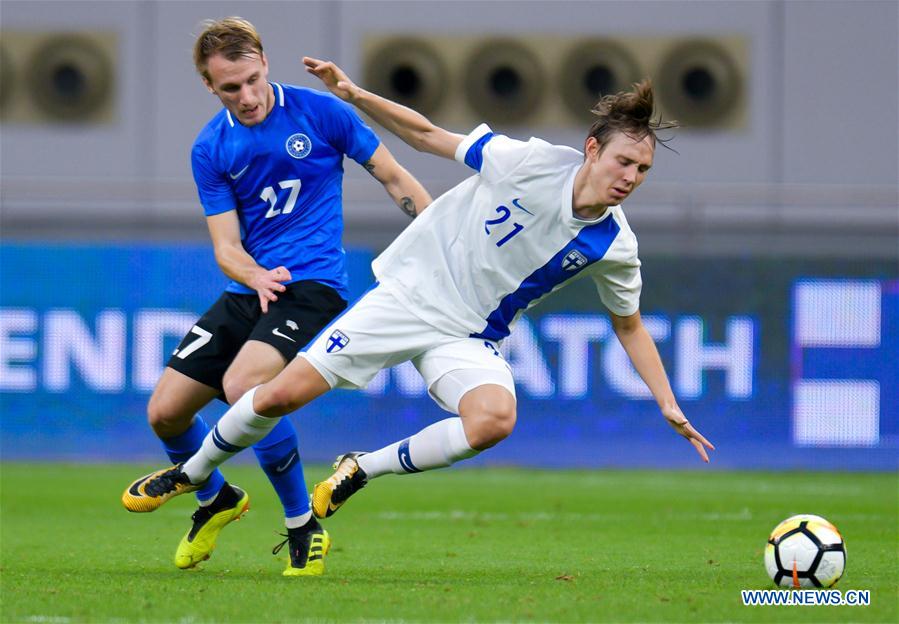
805	551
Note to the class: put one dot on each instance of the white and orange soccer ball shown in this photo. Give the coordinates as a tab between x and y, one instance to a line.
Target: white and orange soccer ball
805	551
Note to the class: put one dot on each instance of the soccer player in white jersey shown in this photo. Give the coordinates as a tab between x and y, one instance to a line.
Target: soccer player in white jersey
534	217
269	169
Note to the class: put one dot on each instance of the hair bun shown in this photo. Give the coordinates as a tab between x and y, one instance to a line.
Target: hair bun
630	112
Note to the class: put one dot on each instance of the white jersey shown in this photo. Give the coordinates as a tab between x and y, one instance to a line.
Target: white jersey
500	241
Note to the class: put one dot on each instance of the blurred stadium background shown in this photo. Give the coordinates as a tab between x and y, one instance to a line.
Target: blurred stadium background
770	241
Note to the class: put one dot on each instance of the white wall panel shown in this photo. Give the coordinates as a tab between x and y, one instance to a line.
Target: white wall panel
103	151
823	97
841	87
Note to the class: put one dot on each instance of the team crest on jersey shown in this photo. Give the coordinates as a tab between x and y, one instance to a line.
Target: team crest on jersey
573	260
337	341
298	145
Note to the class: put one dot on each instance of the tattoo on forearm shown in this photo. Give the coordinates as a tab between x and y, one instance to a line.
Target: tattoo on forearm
369	166
407	205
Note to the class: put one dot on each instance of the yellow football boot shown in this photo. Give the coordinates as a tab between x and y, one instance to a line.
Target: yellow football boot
151	491
197	545
348	478
307	547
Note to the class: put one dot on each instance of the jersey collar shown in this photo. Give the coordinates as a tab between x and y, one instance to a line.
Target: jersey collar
279	101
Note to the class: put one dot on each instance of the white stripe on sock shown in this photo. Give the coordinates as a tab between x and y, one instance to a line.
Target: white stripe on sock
295	522
436	446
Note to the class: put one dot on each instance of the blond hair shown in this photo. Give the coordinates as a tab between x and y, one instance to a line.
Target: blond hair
232	37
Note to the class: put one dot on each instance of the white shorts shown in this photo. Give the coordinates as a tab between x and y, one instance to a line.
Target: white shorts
378	332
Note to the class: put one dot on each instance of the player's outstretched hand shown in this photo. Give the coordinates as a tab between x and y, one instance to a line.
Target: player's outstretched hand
267	283
334	78
679	422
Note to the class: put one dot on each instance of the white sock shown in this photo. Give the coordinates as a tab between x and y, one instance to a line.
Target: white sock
239	428
206	502
296	522
436	446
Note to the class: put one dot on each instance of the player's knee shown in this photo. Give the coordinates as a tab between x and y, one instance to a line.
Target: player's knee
165	417
235	386
290	390
497	426
287	393
488	424
278	398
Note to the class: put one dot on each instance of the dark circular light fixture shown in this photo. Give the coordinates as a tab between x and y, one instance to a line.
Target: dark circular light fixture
7	78
699	82
503	81
70	77
594	68
407	71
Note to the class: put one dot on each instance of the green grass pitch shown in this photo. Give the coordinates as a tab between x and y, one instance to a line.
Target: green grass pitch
472	545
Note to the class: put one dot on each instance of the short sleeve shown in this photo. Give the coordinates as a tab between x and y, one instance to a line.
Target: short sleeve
619	287
345	130
215	193
492	155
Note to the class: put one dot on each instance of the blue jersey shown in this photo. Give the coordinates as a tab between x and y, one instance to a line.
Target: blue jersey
284	177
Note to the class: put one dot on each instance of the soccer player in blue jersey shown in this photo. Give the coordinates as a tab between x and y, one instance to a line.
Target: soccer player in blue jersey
269	171
533	218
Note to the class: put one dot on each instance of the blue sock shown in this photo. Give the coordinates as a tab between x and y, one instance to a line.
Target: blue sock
182	447
278	455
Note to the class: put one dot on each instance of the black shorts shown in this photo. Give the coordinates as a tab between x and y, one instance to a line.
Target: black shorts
293	320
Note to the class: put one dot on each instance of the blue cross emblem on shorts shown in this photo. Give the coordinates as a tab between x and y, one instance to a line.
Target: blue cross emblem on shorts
573	260
337	341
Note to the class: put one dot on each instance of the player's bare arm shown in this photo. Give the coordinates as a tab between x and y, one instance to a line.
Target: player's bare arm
236	263
406	191
641	350
412	127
